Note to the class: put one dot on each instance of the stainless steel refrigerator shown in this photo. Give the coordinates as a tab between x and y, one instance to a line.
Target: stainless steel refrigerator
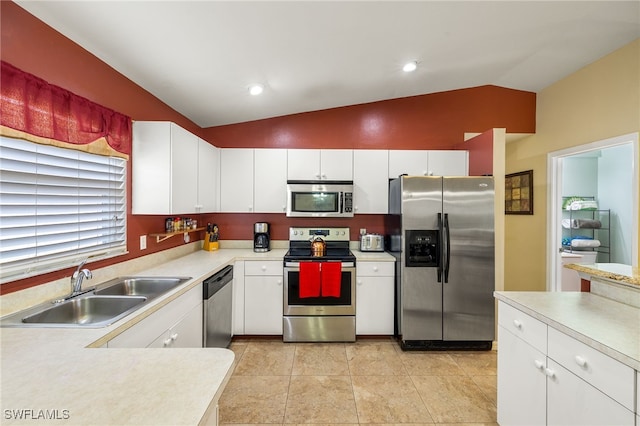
444	243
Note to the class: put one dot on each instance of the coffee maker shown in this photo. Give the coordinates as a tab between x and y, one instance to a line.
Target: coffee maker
261	239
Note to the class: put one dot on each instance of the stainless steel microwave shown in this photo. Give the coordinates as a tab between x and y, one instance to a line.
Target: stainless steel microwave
320	198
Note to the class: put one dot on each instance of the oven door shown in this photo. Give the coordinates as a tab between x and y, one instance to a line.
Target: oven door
319	306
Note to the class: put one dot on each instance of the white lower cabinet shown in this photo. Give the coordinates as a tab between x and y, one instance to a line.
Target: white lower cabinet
521	381
374	298
186	333
178	324
548	377
573	402
263	296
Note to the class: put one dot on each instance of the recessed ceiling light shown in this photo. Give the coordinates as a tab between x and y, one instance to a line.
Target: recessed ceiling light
256	89
410	66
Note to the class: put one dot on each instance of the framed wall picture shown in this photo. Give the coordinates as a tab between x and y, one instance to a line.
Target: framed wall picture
518	193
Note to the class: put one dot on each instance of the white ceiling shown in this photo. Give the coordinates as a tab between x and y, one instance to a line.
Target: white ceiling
199	57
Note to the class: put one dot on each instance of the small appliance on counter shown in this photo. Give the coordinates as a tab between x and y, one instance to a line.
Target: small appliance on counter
371	242
261	238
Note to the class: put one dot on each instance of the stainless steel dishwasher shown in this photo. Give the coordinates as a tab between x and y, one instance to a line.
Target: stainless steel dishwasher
217	296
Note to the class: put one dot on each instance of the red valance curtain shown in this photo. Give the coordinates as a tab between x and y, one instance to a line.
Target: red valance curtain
31	105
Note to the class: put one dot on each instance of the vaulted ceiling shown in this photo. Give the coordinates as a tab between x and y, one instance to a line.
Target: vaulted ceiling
200	57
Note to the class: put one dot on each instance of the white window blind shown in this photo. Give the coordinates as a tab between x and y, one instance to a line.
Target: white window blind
58	206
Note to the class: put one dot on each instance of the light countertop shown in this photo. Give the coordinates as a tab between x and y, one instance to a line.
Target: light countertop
626	274
611	327
63	372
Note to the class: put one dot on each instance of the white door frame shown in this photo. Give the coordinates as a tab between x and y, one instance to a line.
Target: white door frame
554	201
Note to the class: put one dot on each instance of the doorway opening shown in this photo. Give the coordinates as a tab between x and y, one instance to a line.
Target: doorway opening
607	171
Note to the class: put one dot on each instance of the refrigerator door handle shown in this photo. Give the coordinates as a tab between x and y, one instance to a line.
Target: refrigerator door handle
440	254
447	248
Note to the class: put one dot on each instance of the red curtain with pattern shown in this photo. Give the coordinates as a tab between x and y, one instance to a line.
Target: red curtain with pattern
31	105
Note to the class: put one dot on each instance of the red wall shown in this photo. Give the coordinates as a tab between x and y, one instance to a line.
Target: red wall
480	154
434	121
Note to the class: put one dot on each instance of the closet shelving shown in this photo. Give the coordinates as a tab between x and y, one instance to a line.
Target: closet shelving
602	234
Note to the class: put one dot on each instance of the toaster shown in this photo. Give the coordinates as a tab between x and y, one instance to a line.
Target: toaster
371	242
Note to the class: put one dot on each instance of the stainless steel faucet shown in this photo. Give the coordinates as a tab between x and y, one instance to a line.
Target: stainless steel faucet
78	276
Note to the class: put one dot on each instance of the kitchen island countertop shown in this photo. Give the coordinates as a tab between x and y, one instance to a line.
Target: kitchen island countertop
611	327
625	274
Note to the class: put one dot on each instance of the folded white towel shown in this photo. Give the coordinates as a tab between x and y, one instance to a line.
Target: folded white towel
585	243
583	205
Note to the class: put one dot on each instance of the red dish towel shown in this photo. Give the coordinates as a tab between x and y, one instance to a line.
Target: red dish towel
331	279
309	279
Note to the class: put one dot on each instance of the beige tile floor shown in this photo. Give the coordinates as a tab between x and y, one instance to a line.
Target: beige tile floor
370	381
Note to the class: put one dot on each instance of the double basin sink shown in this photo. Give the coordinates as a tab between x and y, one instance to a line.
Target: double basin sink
98	307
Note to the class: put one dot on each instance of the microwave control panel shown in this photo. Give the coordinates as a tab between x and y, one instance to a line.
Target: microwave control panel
348	202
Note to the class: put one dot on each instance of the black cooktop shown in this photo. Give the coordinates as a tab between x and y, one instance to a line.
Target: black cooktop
302	252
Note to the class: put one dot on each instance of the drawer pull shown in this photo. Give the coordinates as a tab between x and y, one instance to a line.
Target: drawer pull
550	373
539	364
167	342
375	269
581	361
517	324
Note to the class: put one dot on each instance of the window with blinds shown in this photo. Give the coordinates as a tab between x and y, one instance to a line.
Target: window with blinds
58	206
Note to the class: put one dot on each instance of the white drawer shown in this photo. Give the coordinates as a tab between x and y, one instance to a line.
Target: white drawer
601	371
524	326
257	267
375	269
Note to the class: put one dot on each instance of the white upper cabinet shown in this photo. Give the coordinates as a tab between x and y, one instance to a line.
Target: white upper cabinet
323	164
448	163
165	169
409	162
236	186
208	176
371	184
428	163
270	180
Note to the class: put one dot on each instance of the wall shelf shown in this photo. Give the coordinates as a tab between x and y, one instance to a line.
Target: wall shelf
166	235
602	233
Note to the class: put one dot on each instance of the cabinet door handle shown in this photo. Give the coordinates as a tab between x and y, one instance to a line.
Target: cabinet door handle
359	282
167	342
375	269
550	373
264	267
174	337
279	282
581	361
517	324
539	364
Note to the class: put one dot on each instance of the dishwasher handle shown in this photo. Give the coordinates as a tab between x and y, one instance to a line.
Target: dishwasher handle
214	283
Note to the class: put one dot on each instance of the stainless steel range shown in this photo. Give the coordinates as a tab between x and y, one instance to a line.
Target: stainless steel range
319	290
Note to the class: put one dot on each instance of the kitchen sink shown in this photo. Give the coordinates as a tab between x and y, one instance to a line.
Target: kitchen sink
90	310
96	307
139	286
